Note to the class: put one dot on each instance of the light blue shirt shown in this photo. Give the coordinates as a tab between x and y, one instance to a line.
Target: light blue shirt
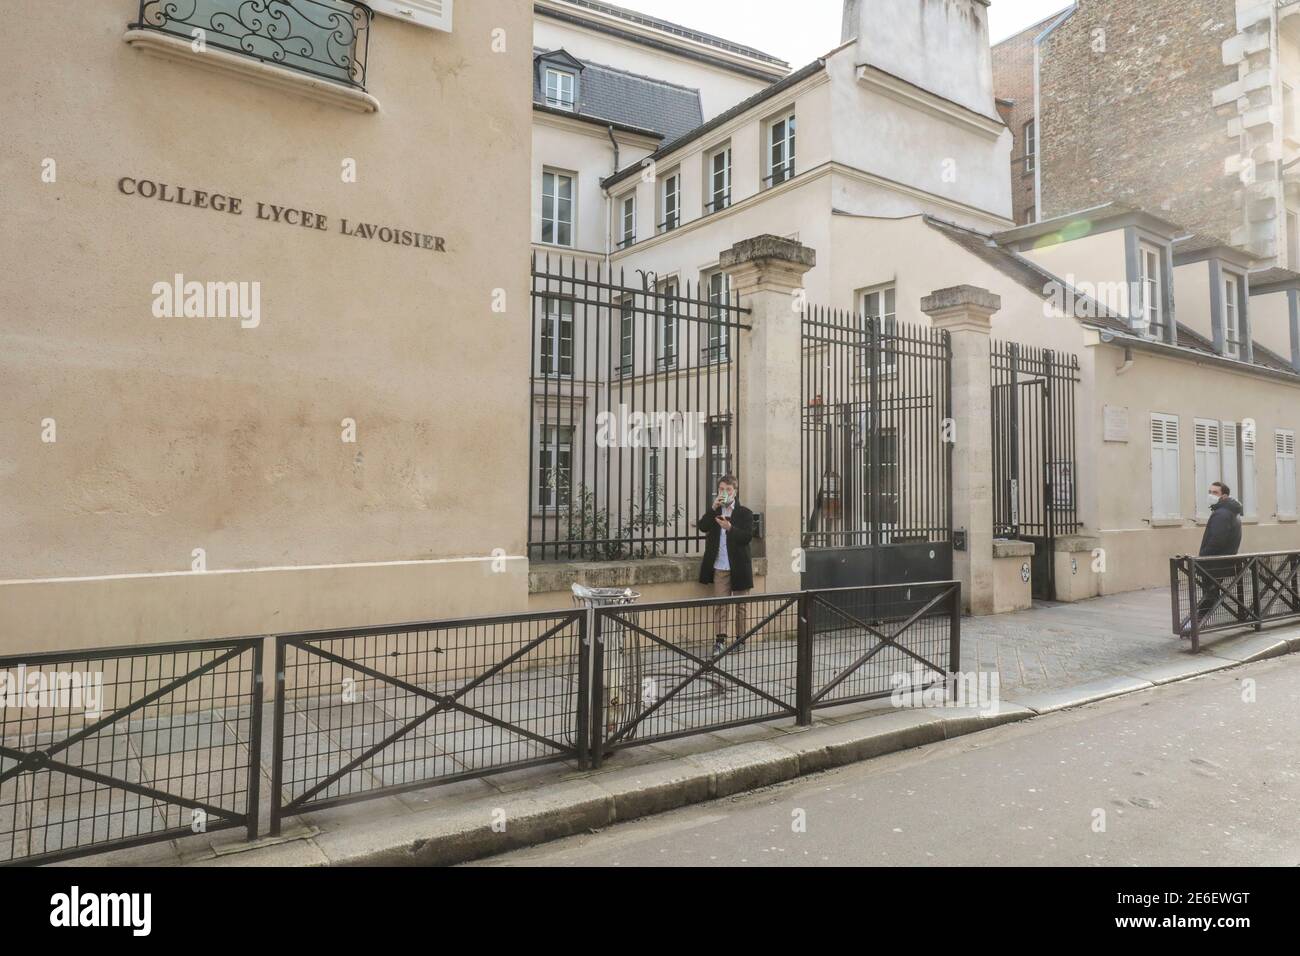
723	562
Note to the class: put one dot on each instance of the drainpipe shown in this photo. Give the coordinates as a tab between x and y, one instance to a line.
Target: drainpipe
1128	361
609	202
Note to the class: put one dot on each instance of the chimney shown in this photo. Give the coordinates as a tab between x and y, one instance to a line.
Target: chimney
939	45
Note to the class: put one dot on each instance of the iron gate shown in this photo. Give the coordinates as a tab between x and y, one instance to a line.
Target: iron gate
1034	469
876	451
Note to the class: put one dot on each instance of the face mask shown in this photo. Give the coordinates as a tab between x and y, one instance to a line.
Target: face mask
1214	499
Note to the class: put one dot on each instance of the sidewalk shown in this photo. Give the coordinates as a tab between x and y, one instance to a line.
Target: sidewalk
1046	658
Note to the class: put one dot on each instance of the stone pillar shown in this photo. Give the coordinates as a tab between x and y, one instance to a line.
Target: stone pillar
966	312
765	273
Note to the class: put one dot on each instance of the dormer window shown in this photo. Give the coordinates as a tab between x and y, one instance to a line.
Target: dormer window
1231	316
561	89
1151	292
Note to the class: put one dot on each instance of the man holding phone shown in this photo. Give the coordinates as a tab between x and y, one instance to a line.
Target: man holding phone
727	566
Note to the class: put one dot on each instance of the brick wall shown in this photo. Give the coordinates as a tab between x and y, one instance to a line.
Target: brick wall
1127	112
1013	79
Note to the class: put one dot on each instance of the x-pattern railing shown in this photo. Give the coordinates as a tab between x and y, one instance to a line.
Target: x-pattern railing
1221	593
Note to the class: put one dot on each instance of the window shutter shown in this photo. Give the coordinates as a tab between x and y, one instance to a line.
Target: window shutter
1228	472
1249	494
1208	465
435	14
1164	466
1286	473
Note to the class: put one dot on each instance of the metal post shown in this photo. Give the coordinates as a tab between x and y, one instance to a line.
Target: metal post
954	637
583	730
598	693
1174	593
804	664
1254	594
1193	604
277	742
255	743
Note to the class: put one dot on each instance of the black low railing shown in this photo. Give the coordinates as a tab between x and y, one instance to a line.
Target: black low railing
324	38
1214	594
107	749
660	671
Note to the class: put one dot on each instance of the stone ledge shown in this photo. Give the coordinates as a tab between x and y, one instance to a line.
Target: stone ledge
1007	548
768	247
1076	543
961	296
683	569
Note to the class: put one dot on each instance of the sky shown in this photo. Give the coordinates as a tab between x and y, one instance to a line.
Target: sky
767	25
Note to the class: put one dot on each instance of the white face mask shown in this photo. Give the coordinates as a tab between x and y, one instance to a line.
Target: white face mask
1214	499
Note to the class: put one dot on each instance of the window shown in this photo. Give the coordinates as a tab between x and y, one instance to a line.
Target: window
719	452
560	86
435	14
1150	289
1164	466
627	220
554	466
1209	463
653	491
878	310
670	201
718	188
557	337
1231	317
1285	458
715	339
626	326
668	325
557	209
1031	145
780	153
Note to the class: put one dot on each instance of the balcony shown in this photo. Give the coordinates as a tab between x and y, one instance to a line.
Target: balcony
277	41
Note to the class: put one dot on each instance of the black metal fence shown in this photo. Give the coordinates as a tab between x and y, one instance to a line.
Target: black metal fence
1224	593
325	38
659	673
106	749
634	410
876	449
369	712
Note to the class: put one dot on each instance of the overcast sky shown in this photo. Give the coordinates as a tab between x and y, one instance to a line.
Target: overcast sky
815	28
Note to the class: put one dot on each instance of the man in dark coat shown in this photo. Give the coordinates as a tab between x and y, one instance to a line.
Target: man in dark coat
1222	538
727	566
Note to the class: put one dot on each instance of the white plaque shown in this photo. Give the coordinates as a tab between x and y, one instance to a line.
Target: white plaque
1116	423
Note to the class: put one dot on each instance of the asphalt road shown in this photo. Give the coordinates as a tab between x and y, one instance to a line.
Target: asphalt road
1195	773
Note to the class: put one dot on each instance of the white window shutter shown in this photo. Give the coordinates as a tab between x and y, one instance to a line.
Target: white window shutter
1228	472
435	14
1286	472
1208	465
1164	466
1249	493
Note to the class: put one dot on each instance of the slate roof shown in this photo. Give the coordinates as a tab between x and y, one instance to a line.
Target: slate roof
609	95
1041	282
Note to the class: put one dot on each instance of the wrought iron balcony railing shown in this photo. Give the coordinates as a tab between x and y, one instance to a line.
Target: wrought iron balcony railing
324	38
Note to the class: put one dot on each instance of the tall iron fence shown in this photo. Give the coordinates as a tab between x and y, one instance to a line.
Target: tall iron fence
876	449
1225	593
634	411
113	748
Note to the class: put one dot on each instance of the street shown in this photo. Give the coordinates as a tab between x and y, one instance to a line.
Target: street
1204	772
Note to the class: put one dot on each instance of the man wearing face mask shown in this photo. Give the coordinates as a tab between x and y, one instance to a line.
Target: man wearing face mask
729	526
1222	538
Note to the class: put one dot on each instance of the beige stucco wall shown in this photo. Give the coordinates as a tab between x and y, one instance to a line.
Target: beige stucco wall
175	434
1270	322
1192	298
1137	554
1094	264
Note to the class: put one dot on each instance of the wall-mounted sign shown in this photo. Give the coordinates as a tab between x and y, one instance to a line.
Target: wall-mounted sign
1115	423
284	215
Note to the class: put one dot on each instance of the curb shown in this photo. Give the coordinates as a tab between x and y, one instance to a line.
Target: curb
570	807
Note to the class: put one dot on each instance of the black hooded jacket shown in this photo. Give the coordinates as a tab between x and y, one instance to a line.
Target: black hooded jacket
1223	530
